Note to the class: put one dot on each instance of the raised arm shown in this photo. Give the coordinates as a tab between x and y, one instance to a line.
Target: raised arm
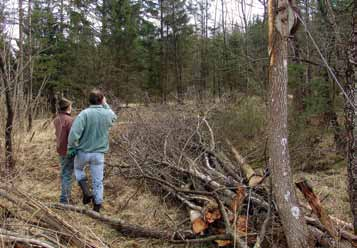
112	117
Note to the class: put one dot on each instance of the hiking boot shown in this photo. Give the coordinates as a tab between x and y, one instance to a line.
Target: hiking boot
97	207
87	195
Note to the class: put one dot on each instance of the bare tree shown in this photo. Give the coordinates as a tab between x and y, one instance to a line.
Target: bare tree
30	68
294	225
20	66
6	78
351	120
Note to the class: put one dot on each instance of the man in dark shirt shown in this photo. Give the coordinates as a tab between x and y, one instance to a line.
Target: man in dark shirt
63	124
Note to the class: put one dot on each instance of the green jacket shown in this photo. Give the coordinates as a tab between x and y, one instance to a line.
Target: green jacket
90	129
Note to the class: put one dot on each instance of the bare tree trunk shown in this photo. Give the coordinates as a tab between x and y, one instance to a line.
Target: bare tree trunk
215	83
29	26
20	69
342	61
291	215
9	160
162	60
203	50
351	119
224	78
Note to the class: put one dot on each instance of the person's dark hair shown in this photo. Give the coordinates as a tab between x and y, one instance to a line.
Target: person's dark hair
96	97
63	104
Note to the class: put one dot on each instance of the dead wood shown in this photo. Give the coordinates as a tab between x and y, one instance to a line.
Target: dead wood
14	238
37	210
177	156
317	208
136	231
252	178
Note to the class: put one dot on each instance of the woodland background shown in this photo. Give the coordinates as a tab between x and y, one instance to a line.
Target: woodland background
162	64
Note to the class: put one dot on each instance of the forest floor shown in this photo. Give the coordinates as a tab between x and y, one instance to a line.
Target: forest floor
132	201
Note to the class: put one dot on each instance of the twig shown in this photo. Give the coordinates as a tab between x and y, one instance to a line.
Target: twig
15	237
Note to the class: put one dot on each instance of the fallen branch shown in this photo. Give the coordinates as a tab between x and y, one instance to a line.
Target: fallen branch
252	178
12	237
317	208
45	215
136	231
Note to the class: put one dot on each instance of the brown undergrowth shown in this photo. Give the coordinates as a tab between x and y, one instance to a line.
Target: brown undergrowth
131	200
39	176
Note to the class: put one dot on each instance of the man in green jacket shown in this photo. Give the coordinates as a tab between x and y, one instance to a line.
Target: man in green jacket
88	141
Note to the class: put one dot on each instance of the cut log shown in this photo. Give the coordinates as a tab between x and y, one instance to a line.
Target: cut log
252	178
136	231
212	215
198	223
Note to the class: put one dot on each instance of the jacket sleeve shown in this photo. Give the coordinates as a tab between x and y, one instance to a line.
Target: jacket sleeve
76	130
67	128
112	117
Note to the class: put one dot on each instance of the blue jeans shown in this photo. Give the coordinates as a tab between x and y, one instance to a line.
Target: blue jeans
96	164
67	167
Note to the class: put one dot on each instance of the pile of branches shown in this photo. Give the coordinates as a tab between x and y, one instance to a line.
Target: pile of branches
177	155
226	201
26	222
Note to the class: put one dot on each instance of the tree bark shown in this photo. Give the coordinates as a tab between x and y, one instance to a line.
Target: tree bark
9	160
294	225
20	68
351	120
30	70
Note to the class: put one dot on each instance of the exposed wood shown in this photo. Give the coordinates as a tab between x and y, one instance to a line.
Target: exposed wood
317	208
252	178
198	223
131	230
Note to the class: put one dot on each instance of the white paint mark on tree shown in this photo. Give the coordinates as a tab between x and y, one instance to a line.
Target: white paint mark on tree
295	211
287	196
284	142
285	63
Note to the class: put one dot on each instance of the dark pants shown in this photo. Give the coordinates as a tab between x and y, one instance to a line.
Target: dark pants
67	167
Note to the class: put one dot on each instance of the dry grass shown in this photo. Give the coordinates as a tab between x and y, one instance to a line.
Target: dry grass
39	172
132	200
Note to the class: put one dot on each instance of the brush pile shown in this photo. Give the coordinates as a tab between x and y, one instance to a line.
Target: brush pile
179	158
177	155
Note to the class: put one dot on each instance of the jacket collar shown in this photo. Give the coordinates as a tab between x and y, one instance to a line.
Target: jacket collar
96	106
64	113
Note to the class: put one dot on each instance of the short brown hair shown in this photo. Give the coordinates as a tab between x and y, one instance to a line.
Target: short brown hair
63	104
96	97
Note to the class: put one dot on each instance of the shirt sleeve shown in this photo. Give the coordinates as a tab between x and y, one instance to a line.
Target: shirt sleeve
76	130
112	117
69	122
